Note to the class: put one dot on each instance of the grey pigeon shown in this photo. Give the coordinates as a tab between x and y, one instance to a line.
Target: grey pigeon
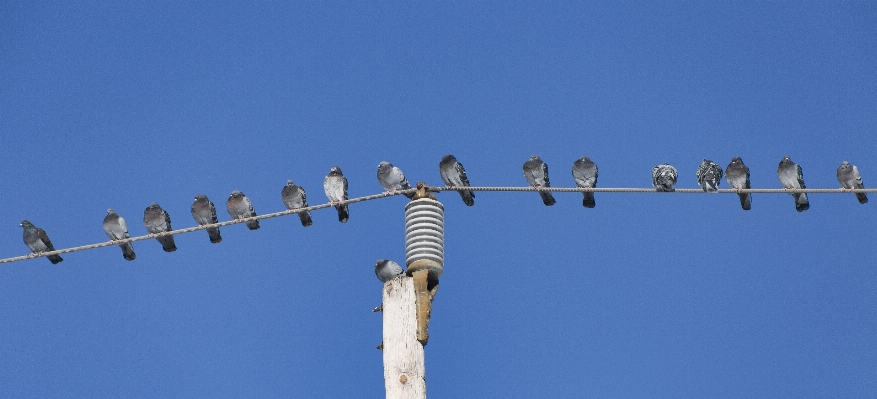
158	221
204	212
584	171
849	178
664	177
37	241
387	270
335	186
737	175
791	178
454	176
536	173
240	207
294	198
392	179
117	229
709	174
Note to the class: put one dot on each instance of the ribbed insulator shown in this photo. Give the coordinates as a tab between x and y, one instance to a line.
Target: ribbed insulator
425	236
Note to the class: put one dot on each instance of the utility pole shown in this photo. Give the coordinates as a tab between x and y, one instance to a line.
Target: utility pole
407	300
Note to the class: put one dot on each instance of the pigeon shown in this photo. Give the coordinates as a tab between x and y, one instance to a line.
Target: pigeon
335	186
709	174
454	176
240	207
584	171
294	197
387	270
158	221
392	179
737	175
664	177
204	212
849	178
117	229
536	173
791	178
38	242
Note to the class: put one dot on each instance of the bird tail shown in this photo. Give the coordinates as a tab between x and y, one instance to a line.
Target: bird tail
128	251
801	202
55	259
588	200
214	235
342	213
167	243
305	218
468	197
862	197
746	201
253	225
711	187
547	198
410	195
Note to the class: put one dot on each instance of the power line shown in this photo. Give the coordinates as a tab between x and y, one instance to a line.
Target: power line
653	190
438	189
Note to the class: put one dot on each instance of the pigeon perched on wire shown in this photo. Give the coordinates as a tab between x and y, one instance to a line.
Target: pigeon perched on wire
536	173
664	177
584	172
791	178
294	198
240	207
392	179
158	221
335	186
849	178
387	270
204	212
117	229
454	176
38	242
709	174
737	175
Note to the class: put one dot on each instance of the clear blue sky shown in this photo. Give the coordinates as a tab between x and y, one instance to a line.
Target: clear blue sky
122	104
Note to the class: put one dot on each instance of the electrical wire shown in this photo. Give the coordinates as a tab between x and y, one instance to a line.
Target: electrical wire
436	189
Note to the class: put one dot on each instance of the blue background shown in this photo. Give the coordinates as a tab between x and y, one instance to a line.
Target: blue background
120	104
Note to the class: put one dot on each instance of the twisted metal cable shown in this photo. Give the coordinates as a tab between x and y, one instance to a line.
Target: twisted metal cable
653	190
438	189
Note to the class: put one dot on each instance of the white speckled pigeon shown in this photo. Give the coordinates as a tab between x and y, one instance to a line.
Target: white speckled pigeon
664	177
387	270
791	177
709	174
737	175
158	221
392	179
454	176
335	186
849	178
294	198
117	229
240	207
536	173
204	212
584	171
38	242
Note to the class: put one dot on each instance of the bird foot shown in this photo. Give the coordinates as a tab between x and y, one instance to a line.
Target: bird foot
33	255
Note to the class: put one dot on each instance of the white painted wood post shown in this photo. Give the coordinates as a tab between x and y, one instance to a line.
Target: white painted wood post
404	368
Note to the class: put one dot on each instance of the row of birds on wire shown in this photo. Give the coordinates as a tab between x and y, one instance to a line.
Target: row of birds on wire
584	171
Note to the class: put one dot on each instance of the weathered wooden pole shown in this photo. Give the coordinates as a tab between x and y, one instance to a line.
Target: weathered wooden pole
407	301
